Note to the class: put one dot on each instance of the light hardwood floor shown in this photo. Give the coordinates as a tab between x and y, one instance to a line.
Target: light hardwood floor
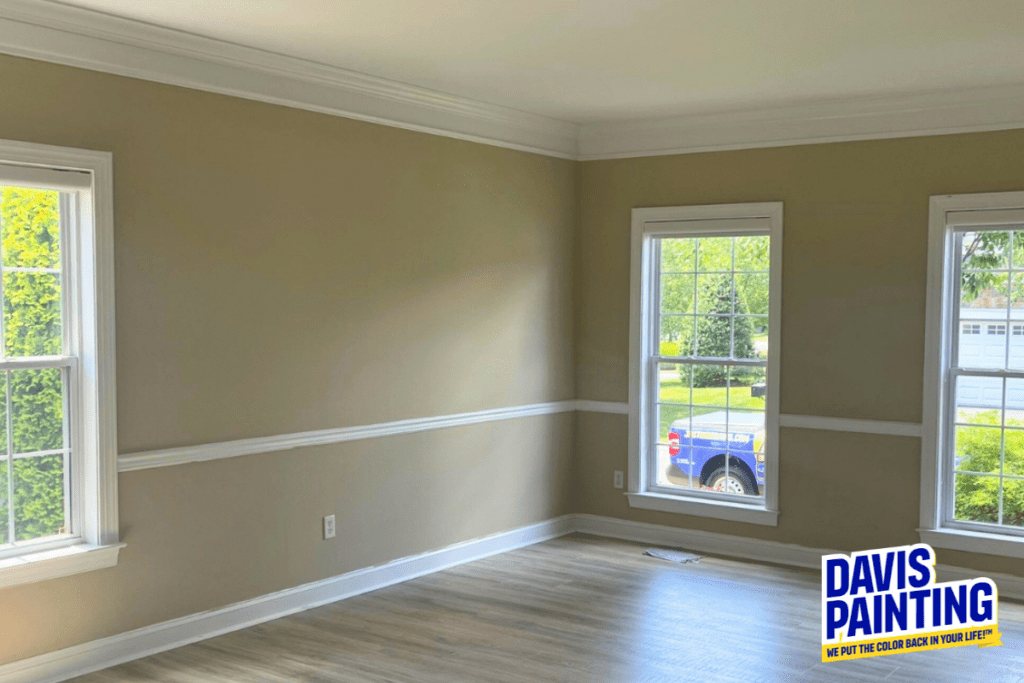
577	608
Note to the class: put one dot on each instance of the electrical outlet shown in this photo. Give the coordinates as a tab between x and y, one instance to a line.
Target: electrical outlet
618	479
328	527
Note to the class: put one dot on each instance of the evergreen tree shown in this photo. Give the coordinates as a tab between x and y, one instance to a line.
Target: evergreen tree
715	333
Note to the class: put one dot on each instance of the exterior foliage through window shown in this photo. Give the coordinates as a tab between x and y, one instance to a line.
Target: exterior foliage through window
34	442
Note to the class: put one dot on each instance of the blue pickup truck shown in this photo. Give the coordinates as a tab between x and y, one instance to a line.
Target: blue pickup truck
700	450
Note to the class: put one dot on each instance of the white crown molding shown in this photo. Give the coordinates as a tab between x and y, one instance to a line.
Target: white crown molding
282	442
79	660
92	40
867	118
84	38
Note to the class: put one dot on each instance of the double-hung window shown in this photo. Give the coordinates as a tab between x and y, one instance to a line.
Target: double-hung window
58	453
704	319
972	494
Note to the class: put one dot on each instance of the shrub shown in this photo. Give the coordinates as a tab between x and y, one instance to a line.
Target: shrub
977	498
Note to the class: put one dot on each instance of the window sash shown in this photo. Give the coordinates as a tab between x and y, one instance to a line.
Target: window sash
653	426
949	452
68	184
960	223
712	360
652	266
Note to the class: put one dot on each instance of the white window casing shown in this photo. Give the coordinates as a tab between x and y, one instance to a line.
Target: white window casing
721	220
950	216
84	179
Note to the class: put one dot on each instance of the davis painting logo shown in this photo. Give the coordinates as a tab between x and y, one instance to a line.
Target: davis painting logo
883	602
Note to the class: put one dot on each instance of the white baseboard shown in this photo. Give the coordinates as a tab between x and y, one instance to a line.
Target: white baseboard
702	541
760	551
101	654
1009	586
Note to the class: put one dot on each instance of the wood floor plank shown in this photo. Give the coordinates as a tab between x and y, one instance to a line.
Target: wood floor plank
576	608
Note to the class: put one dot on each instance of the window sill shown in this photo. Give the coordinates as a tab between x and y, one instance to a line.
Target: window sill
52	564
974	542
735	512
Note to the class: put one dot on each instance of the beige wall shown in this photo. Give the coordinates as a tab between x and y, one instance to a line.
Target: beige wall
206	535
281	271
854	264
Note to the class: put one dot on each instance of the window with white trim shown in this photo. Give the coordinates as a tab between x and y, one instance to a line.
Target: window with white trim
704	369
973	457
970	328
58	452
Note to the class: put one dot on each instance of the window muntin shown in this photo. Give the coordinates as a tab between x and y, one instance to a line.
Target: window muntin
36	465
708	372
984	440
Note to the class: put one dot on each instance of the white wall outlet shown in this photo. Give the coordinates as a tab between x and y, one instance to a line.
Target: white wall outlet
328	527
618	479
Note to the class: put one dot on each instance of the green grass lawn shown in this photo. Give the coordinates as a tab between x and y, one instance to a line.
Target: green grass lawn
710	399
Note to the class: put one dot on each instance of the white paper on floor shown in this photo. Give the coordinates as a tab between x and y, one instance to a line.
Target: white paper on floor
672	555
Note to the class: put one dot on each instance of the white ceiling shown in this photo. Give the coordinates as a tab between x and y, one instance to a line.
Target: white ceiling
607	60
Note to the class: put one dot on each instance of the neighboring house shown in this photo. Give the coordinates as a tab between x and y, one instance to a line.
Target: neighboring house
983	344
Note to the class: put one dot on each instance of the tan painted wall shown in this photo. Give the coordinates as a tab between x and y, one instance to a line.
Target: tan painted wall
281	271
854	264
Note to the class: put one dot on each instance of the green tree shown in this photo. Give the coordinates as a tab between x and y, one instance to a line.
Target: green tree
720	335
752	257
30	252
681	258
677	266
986	251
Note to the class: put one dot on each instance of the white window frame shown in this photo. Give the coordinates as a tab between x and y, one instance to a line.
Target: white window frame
695	221
948	214
85	180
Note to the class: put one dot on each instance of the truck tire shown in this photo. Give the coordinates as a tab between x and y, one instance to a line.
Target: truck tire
739	481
